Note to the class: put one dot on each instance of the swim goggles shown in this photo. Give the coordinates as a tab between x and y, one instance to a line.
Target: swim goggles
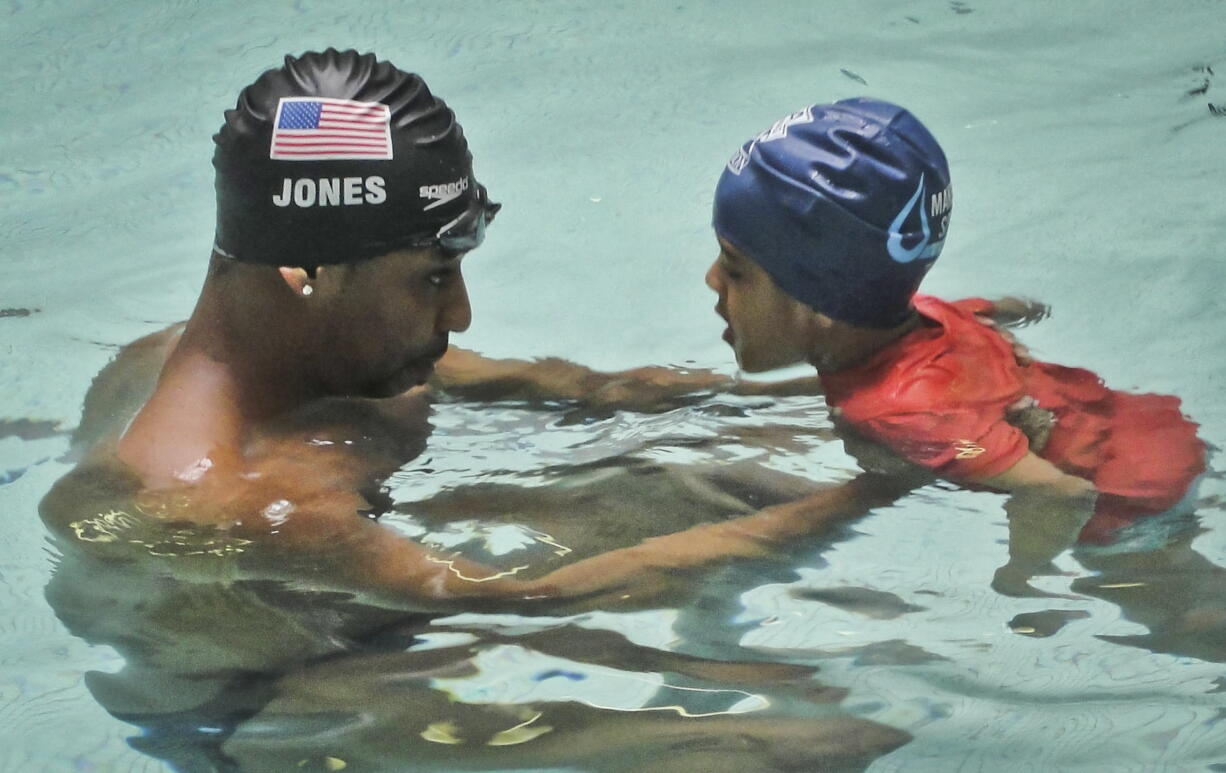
467	231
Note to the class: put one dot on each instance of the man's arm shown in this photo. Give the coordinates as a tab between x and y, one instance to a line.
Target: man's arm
121	388
470	376
318	531
298	504
337	544
375	558
639	572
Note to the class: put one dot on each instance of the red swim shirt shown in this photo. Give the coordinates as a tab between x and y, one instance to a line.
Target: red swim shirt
938	397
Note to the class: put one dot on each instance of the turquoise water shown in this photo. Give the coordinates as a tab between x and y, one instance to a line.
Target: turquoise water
1087	177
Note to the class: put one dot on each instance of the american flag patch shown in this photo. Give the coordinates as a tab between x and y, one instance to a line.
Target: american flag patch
320	129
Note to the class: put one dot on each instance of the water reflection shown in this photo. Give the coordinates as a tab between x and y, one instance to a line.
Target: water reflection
1170	588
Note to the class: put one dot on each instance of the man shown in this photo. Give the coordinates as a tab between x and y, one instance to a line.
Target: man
346	204
221	534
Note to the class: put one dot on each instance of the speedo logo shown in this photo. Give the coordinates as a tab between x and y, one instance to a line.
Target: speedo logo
330	191
441	194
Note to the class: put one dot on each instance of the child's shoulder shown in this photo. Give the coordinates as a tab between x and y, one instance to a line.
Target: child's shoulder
953	358
961	335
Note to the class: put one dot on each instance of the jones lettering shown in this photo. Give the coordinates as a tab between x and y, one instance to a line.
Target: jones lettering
330	191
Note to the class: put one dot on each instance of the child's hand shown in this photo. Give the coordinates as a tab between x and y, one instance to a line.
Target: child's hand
1020	352
1013	311
1034	422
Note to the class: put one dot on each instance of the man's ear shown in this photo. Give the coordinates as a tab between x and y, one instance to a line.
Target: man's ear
297	279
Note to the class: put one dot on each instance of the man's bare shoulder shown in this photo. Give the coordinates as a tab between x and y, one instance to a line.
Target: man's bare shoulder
123	386
309	476
390	430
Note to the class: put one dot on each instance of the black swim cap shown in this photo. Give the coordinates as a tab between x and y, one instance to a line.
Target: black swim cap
337	157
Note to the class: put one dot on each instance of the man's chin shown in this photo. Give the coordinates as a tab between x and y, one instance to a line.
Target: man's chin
401	381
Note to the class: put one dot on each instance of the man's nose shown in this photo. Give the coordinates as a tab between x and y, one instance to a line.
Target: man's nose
457	313
714	281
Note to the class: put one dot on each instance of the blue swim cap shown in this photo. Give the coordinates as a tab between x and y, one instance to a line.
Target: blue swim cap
846	206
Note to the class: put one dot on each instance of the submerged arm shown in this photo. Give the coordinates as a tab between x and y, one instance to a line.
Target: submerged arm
335	542
323	534
1046	511
470	376
298	503
643	569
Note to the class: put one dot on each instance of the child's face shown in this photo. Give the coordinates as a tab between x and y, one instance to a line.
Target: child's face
767	328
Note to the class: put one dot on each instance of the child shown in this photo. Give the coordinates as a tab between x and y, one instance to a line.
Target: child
827	223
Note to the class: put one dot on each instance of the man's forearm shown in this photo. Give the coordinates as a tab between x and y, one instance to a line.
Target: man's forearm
470	376
753	536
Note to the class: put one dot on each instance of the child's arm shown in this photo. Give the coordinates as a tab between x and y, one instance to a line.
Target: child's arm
1046	513
1033	472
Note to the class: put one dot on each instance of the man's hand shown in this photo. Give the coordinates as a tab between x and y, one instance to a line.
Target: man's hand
652	389
470	376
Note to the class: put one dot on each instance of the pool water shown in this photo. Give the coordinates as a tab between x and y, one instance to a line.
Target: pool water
1088	165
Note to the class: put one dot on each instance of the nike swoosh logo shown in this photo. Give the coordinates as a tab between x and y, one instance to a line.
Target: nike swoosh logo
893	242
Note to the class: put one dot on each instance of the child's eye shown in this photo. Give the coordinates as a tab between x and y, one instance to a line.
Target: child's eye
439	278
